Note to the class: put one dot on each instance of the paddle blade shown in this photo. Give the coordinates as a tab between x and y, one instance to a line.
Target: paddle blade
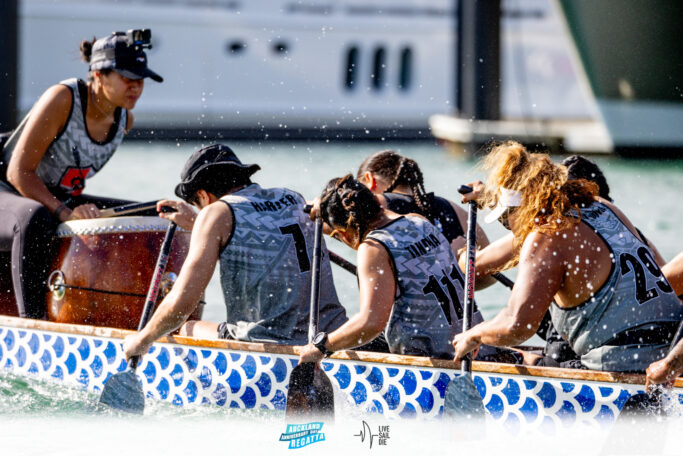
462	400
123	392
310	393
642	405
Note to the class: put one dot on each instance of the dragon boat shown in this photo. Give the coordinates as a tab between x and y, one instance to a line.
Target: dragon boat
189	371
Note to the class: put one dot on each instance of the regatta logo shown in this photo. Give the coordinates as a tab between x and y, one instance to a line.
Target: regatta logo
301	435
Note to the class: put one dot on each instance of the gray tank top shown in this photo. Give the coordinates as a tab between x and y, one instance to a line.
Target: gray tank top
427	311
265	269
73	156
628	323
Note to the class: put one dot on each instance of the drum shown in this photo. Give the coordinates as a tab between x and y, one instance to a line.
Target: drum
102	269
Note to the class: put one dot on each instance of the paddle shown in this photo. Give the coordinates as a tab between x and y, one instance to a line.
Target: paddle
652	403
310	391
123	390
127	209
462	400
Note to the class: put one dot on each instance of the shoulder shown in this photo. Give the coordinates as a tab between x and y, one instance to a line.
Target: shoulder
215	219
57	98
544	245
372	252
620	215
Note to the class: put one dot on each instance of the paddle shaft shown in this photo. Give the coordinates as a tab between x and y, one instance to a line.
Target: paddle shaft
466	365
153	291
315	280
343	263
127	209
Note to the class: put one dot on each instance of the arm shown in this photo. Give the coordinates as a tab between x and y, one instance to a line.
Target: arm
184	215
539	278
490	259
211	231
673	271
666	370
48	117
377	289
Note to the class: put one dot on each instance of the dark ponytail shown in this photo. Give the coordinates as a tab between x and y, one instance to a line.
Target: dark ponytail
397	170
348	204
86	49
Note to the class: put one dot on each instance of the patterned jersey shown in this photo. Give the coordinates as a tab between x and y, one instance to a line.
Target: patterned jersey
628	323
73	156
428	310
266	269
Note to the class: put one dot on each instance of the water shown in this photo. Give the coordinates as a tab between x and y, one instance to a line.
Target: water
43	418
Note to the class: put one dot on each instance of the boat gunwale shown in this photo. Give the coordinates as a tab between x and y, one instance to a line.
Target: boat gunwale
346	355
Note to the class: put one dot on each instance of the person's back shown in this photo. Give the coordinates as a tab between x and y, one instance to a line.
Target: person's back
628	316
266	269
427	311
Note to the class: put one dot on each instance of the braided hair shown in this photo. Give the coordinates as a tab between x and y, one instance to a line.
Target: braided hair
348	204
397	170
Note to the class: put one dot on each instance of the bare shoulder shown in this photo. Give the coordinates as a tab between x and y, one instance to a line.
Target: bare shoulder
56	100
214	220
543	246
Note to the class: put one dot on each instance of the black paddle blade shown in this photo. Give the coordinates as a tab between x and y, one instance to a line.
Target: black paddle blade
462	400
310	393
123	392
642	405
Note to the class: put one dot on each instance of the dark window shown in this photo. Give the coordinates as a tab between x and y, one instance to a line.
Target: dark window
351	68
235	47
280	47
406	74
378	67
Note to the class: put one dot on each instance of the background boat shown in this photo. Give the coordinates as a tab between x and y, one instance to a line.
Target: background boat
313	69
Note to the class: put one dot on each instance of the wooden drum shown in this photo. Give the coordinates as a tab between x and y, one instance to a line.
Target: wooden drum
102	269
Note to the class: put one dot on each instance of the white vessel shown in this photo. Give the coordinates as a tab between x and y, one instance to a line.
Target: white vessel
287	68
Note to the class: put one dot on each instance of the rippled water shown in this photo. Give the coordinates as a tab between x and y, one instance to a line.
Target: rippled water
43	418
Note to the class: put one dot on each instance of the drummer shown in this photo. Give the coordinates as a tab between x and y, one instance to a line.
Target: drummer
263	242
67	137
581	251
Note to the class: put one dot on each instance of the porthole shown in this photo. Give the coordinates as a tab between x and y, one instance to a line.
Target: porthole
236	47
378	69
351	68
280	47
406	70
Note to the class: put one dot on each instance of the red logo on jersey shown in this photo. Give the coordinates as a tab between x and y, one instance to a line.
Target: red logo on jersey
73	179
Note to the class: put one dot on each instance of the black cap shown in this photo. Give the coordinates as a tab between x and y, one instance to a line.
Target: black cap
115	52
218	158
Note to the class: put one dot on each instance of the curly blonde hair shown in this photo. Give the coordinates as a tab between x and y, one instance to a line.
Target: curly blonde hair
547	192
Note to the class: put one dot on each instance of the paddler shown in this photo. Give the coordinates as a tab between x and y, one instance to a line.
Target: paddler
67	137
263	242
410	285
611	300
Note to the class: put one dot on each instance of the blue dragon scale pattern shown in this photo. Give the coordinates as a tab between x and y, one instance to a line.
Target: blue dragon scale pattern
188	375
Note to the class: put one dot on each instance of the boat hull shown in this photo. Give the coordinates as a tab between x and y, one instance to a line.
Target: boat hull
191	372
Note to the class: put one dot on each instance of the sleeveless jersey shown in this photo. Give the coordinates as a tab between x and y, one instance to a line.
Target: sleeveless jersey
427	311
629	322
73	156
265	269
443	215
